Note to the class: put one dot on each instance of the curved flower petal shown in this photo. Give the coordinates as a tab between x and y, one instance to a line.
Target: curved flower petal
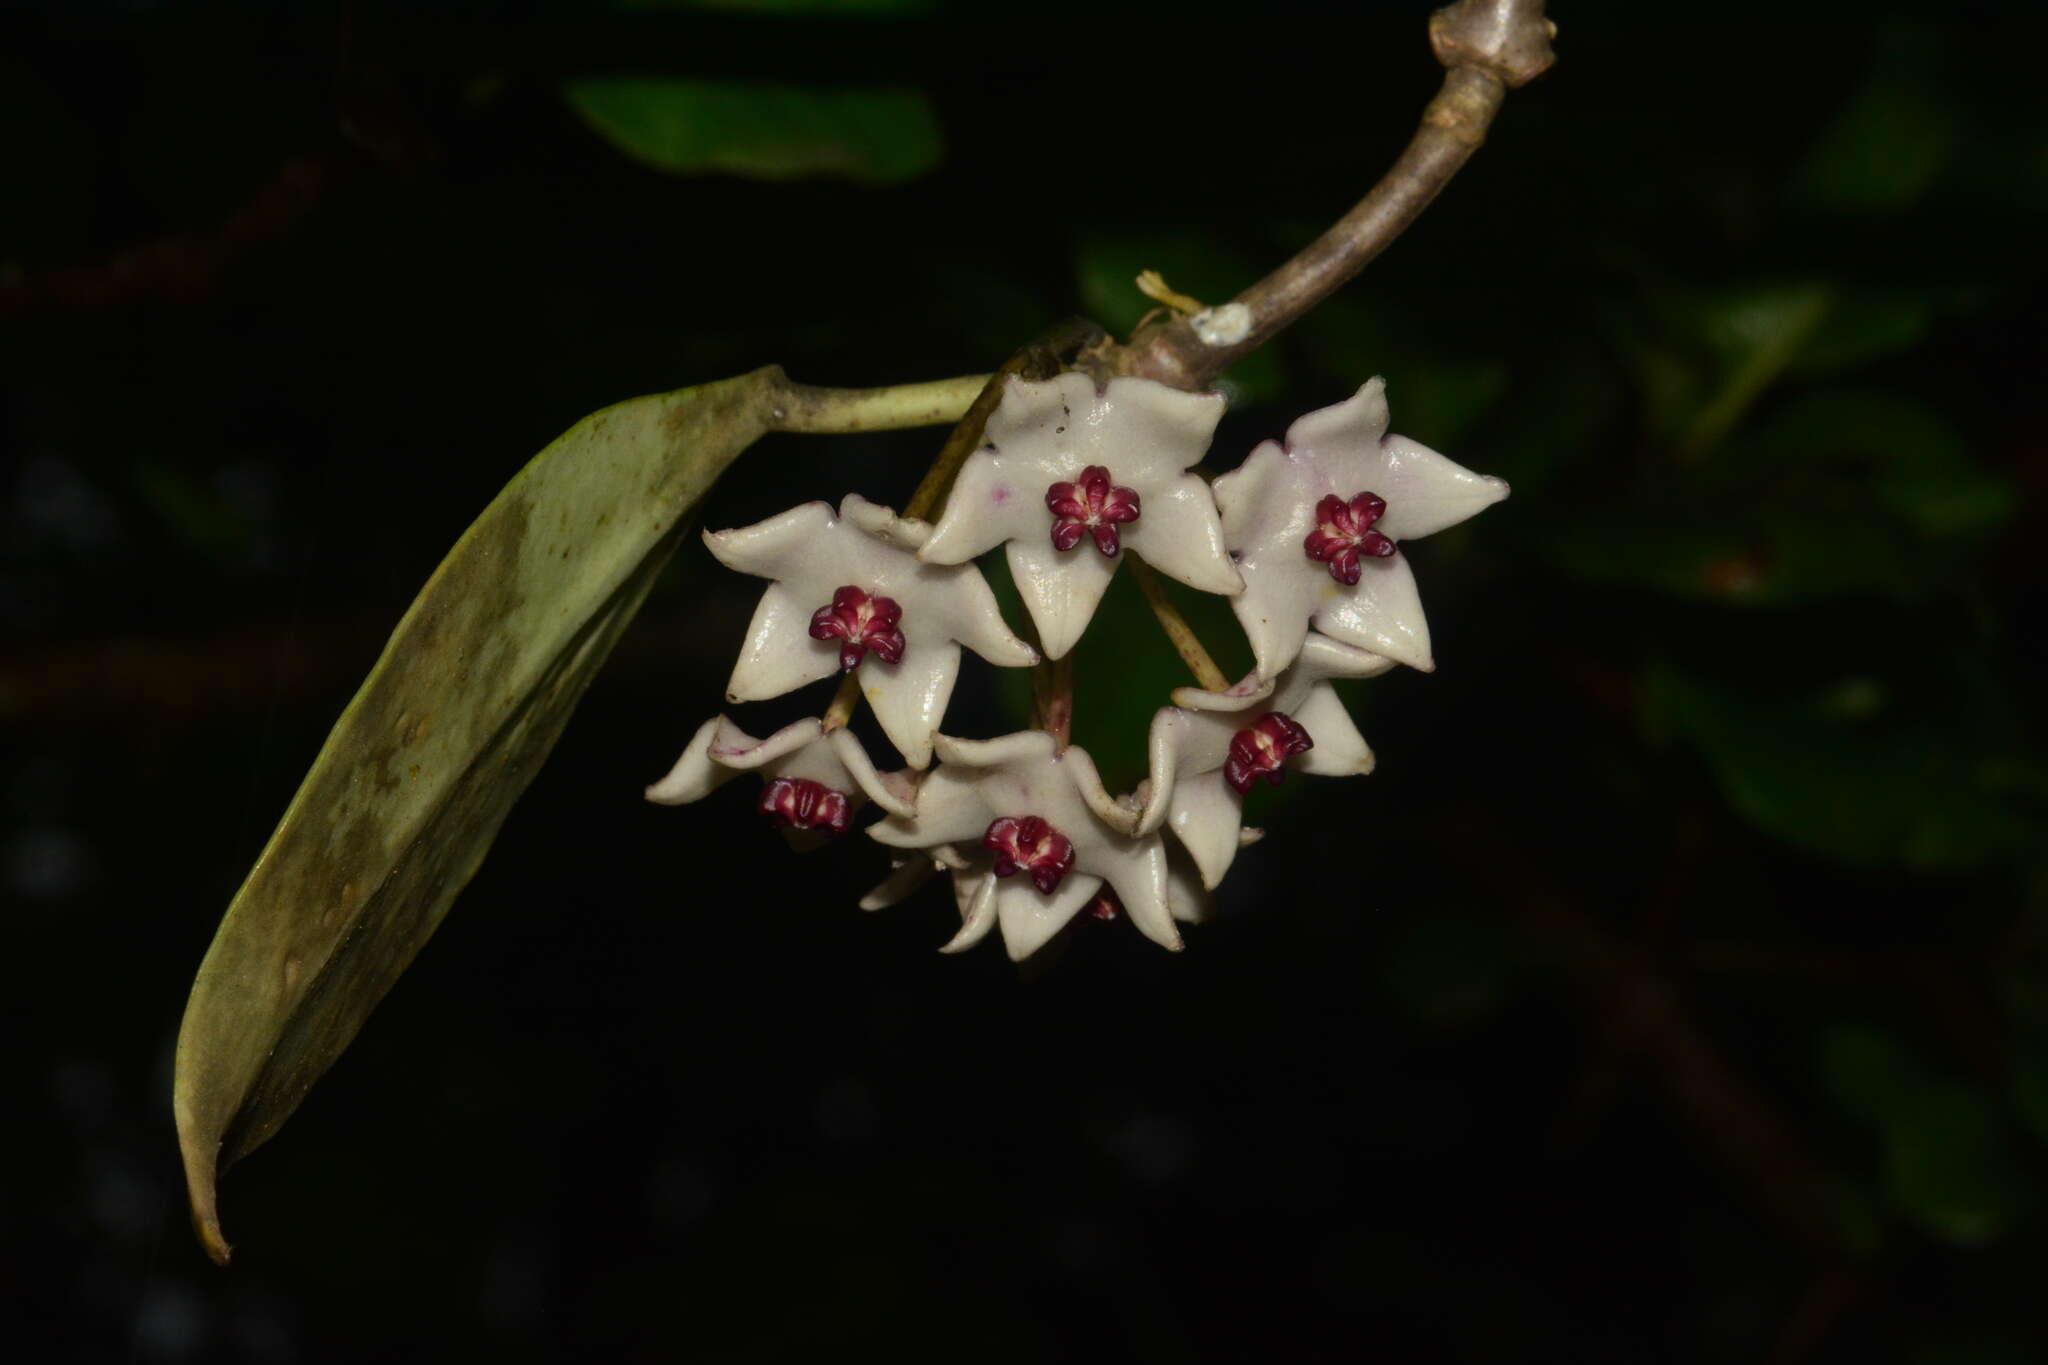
1206	817
762	548
1426	492
779	654
693	776
1060	588
1271	612
1181	535
992	500
1340	751
800	752
910	695
976	892
1029	919
1189	899
905	876
1383	614
890	791
949	810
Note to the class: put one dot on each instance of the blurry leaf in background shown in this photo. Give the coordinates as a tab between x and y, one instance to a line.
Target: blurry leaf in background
761	130
1886	147
1948	1163
1836	772
1451	970
1838	492
46	197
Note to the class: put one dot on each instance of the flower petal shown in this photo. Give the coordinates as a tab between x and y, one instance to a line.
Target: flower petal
896	799
735	748
1207	816
1274	612
1088	782
1340	751
1426	492
1189	900
992	500
1029	917
1359	420
905	533
1137	869
1383	614
1060	588
1180	535
773	547
905	876
1150	416
949	811
779	654
1163	743
694	776
977	896
909	696
1017	747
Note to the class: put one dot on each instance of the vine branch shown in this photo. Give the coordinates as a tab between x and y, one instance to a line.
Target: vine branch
1487	47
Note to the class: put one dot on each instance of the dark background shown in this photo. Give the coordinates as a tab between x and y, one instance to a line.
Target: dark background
1674	991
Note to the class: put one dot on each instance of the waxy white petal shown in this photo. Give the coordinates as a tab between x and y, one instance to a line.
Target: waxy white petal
1029	919
906	875
1206	817
779	654
1060	588
909	696
720	751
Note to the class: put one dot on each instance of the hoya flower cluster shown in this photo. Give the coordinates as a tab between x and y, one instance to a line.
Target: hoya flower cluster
1305	538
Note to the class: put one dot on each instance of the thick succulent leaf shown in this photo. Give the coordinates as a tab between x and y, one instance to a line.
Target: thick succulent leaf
473	689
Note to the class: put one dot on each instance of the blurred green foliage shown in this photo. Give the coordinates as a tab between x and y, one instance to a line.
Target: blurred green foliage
762	130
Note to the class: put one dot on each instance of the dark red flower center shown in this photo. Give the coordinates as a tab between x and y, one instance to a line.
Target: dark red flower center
1029	843
1090	504
860	622
1262	750
801	803
1344	531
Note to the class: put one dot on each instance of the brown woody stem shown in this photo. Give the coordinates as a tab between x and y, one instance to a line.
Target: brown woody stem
1487	47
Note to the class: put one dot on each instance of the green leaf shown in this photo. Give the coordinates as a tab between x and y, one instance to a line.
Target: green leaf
1948	1161
1835	772
762	130
1883	152
411	786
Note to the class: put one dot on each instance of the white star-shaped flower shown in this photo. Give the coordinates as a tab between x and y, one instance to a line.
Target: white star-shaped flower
1313	525
1071	479
850	592
1037	836
970	871
814	779
1208	749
